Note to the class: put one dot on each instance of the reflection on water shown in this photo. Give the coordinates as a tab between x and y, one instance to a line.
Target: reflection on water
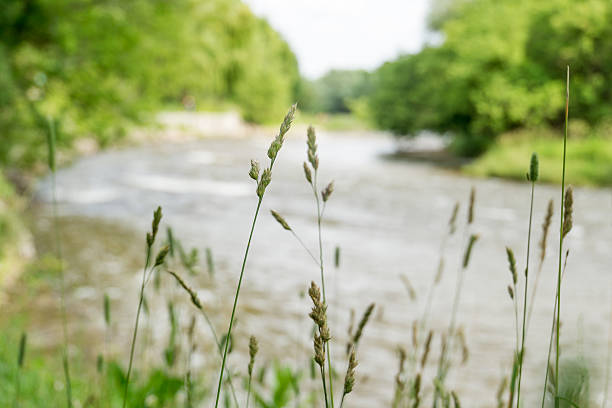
387	216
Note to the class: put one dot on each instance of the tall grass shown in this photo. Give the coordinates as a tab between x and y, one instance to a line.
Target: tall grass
532	176
262	184
410	388
565	226
146	275
51	142
443	362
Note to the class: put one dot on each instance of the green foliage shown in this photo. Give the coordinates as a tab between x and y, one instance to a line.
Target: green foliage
99	66
589	157
283	387
335	91
41	386
500	66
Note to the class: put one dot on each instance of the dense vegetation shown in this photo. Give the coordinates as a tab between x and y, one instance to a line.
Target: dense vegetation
335	92
98	66
498	65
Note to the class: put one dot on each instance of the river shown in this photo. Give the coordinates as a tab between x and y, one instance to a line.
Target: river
388	216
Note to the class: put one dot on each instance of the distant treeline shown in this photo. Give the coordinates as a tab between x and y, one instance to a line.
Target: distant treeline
95	66
498	65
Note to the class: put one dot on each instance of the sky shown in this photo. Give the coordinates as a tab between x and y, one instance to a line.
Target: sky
346	34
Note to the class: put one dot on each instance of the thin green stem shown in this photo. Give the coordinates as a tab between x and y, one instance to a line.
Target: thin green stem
550	343
297	237
231	324
522	350
324	386
249	390
133	345
516	320
58	243
561	242
319	219
218	344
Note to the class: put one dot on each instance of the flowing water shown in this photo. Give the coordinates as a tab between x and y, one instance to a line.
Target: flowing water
388	217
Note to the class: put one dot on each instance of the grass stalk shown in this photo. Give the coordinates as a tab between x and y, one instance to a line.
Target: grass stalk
262	183
533	176
551	340
320	211
561	235
135	332
469	244
159	260
51	143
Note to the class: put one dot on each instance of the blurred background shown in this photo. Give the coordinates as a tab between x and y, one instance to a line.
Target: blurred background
159	102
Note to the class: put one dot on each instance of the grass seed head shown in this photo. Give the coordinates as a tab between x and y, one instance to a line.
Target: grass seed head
568	210
307	173
161	255
362	323
452	223
512	264
278	141
349	379
545	228
194	296
254	172
265	179
319	312
533	168
287	121
468	250
107	310
157	216
311	143
471	205
319	350
253	349
279	218
327	191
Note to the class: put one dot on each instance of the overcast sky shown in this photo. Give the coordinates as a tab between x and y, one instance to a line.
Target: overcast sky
346	34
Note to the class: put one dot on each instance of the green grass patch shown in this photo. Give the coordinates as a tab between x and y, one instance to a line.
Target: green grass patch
589	157
333	121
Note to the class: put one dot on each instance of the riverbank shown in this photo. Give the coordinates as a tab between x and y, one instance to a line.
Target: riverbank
589	157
